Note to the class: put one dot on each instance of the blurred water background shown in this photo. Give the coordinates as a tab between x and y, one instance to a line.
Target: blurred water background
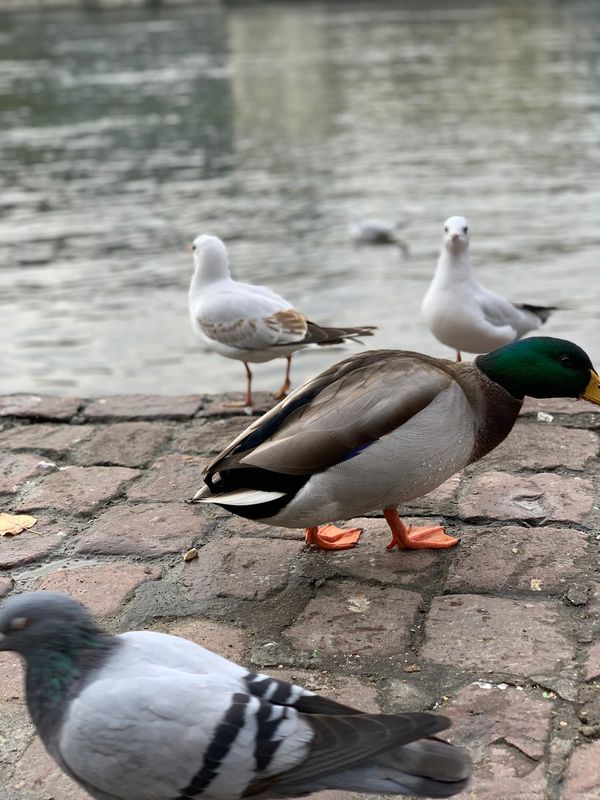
126	133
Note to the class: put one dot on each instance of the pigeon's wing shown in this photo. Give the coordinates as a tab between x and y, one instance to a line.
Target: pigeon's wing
248	317
172	735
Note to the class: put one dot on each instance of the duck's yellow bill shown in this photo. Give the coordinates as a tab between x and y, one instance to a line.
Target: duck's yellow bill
592	390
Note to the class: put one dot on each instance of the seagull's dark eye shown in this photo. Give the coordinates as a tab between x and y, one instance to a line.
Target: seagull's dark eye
465	229
567	361
194	247
445	229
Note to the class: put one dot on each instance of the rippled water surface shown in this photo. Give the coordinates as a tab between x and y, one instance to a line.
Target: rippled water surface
126	134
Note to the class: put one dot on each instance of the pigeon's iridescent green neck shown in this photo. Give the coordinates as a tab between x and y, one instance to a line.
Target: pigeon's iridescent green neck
55	674
539	367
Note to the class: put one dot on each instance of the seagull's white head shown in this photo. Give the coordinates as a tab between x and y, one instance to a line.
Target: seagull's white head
210	257
456	234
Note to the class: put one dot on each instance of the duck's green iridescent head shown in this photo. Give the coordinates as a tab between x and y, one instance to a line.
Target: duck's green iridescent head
542	367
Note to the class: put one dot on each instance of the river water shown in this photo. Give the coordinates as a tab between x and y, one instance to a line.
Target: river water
126	134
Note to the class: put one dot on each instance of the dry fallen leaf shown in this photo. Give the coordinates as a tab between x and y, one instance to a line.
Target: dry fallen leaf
535	585
11	524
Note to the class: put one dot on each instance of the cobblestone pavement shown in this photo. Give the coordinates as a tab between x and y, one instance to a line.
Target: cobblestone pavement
500	633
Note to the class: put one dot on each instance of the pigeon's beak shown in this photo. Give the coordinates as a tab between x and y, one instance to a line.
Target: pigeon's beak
591	393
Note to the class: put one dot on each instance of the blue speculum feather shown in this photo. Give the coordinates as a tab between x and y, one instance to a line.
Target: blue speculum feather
355	451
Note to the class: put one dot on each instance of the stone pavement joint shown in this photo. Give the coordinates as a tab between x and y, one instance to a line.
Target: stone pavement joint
501	633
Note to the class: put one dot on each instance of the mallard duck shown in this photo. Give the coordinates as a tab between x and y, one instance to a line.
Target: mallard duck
381	428
461	313
247	322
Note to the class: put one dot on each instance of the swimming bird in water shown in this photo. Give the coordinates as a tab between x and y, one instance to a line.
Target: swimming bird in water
247	322
371	230
381	428
148	716
463	314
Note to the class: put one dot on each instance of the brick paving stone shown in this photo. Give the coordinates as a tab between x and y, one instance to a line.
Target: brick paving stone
505	730
77	490
247	569
536	498
371	561
38	406
592	668
174	476
539	446
439	501
209	437
18	468
342	688
349	618
558	405
103	588
54	440
505	776
215	405
537	559
37	777
12	686
6	585
143	406
33	544
29	546
146	531
16	734
238	526
484	713
583	776
492	634
226	640
128	444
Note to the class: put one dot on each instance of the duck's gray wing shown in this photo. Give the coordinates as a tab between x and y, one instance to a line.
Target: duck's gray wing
343	409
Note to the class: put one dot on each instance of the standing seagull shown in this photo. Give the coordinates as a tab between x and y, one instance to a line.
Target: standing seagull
463	314
148	716
247	322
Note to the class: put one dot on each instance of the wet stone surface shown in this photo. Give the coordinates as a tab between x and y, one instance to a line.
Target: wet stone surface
501	633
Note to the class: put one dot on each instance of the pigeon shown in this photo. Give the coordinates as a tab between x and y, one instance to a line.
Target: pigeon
463	314
149	716
247	322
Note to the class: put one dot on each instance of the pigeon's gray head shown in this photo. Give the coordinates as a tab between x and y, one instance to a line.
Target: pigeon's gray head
37	620
456	234
210	257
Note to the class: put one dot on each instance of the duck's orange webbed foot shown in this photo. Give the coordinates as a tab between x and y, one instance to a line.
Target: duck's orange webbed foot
431	537
331	538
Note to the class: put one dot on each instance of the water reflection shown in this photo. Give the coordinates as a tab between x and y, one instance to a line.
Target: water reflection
125	134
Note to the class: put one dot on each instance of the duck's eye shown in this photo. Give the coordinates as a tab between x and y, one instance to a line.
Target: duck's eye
465	229
566	360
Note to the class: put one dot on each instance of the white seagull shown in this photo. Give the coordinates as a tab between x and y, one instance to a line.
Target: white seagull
463	314
250	323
